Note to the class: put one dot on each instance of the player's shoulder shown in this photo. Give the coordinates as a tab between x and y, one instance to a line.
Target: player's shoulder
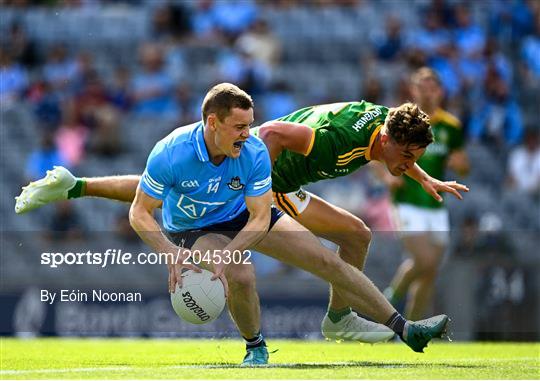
362	117
184	137
254	145
355	107
370	112
447	118
180	140
368	106
182	134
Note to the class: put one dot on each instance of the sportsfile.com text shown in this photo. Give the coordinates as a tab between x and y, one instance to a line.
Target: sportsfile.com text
119	257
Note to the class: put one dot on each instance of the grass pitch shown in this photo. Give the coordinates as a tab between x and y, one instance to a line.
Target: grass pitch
219	359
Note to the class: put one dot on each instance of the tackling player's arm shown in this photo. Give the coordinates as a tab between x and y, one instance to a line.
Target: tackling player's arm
279	136
433	186
256	228
141	218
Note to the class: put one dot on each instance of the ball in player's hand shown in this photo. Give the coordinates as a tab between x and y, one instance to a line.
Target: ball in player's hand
199	300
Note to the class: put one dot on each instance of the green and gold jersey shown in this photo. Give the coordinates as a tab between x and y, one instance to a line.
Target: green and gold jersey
341	143
448	137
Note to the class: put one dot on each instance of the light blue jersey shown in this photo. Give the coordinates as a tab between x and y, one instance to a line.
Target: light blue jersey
197	193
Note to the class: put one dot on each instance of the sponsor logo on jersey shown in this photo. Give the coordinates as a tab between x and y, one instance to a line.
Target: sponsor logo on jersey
196	209
189	183
365	118
235	184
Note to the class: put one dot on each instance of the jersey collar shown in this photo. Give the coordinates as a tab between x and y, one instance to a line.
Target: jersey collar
200	146
371	140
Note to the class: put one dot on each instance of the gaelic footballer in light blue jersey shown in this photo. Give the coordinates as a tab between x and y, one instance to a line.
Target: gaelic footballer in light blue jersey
197	193
208	177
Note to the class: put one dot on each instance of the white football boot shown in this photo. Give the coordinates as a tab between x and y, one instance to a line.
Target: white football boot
53	187
355	328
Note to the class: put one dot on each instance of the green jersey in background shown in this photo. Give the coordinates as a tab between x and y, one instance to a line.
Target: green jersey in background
448	137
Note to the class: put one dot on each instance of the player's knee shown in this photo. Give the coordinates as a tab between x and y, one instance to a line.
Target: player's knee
362	231
241	279
356	233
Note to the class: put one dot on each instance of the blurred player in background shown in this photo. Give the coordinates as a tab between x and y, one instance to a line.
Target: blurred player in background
424	223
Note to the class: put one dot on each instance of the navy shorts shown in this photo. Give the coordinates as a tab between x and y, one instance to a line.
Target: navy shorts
187	238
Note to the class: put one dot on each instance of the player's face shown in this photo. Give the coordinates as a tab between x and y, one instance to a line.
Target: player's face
232	132
427	94
400	158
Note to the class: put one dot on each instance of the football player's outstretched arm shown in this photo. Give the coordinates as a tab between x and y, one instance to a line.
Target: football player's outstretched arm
279	136
433	186
141	218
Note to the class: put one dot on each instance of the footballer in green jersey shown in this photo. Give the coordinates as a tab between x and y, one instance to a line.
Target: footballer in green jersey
327	141
338	140
339	143
423	222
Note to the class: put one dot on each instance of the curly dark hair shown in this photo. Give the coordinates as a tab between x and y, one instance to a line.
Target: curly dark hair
408	125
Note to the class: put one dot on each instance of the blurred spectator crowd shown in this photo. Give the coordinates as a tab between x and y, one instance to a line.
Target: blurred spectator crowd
92	84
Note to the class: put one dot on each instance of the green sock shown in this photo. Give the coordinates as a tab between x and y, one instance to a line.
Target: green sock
337	315
78	189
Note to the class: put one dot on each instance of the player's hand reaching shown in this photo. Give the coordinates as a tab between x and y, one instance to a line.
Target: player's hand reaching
219	272
433	186
175	266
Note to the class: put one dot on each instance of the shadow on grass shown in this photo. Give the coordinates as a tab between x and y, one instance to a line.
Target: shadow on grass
329	365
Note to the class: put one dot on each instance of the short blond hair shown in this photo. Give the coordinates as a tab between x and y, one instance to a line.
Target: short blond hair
223	97
408	125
